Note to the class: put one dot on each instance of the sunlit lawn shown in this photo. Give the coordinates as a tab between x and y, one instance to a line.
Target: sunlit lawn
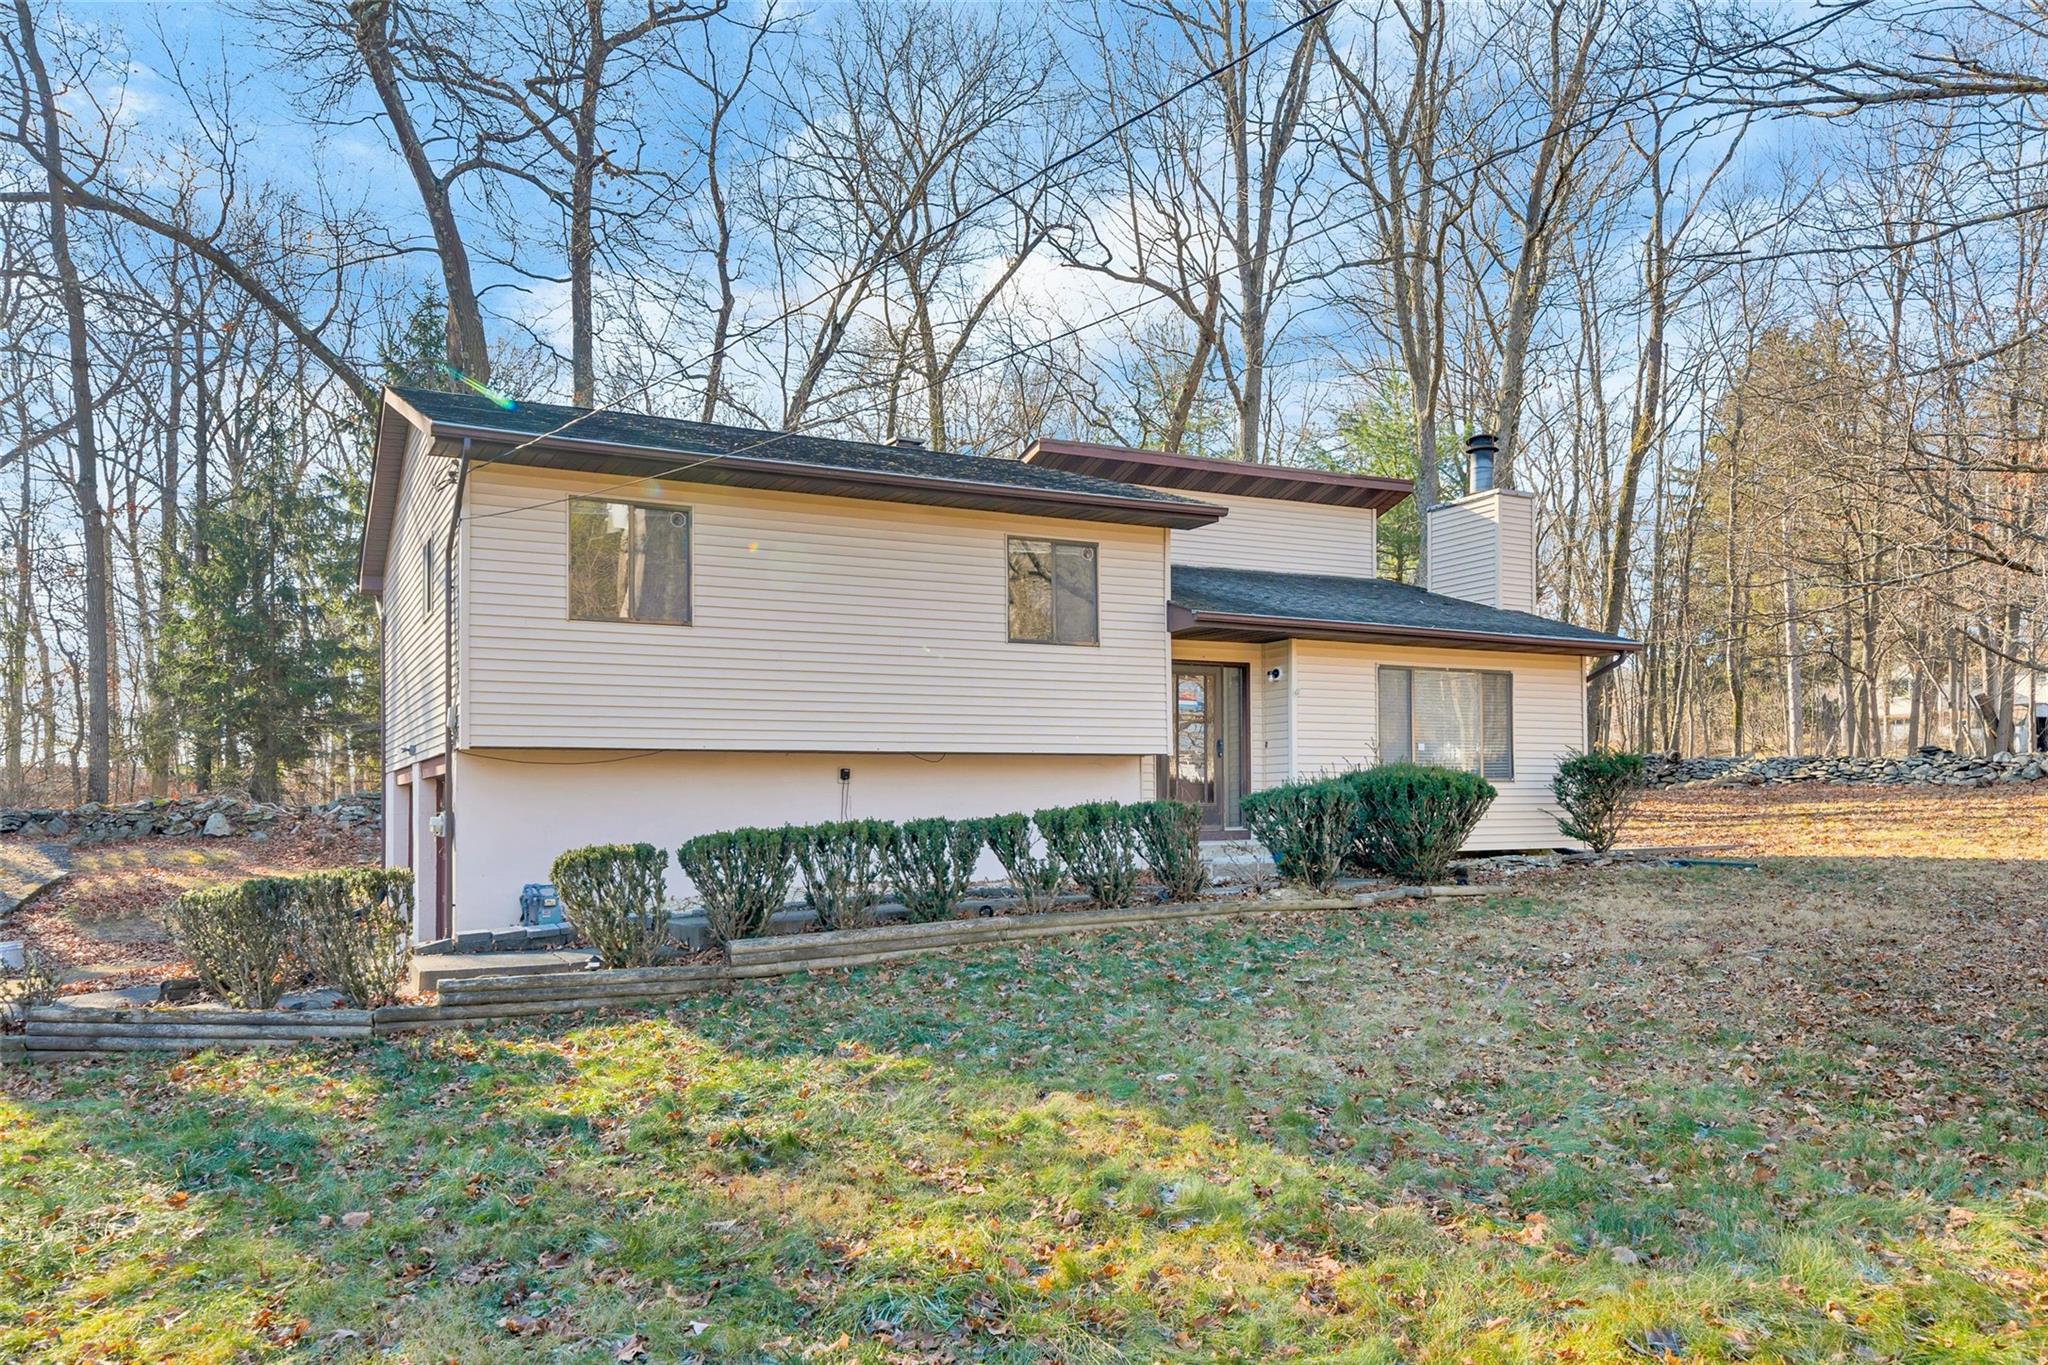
1798	1113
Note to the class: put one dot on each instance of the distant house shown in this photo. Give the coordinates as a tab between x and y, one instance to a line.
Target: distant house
643	628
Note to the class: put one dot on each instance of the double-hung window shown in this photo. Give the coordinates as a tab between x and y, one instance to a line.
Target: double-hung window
1448	718
1052	592
629	561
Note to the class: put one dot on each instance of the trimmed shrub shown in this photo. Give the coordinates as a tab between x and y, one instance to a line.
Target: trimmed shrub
1036	872
1169	835
612	896
1307	827
34	982
1596	791
1095	842
1412	820
240	938
742	876
931	865
355	931
843	863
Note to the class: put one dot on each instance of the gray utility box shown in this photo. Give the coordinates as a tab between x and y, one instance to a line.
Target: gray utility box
539	905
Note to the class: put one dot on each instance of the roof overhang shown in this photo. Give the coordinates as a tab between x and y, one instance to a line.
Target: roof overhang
1185	623
566	451
1195	474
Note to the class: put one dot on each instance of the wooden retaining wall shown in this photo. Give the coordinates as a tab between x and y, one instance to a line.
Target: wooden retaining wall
59	1031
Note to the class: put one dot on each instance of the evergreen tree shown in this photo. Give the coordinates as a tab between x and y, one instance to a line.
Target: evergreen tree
1377	436
267	648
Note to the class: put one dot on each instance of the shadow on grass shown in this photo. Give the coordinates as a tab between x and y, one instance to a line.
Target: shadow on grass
1411	1137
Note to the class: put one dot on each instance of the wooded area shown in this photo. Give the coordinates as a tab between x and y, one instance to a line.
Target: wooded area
1753	299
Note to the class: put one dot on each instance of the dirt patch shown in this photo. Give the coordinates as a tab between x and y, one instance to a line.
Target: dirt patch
2007	822
101	924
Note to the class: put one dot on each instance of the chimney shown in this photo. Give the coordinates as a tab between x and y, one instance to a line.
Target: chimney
902	442
1482	547
1480	448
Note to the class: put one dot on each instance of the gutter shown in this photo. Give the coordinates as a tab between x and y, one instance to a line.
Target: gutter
1181	620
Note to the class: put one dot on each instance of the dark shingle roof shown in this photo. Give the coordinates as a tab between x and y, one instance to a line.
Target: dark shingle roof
1375	606
638	431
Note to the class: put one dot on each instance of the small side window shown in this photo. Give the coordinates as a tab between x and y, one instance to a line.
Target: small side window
1053	592
427	577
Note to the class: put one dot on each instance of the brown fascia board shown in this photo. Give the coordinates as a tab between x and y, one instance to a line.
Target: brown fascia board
1186	624
1195	473
396	419
495	445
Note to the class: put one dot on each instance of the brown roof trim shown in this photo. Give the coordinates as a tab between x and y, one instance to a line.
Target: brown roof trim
1193	473
494	444
396	421
1184	623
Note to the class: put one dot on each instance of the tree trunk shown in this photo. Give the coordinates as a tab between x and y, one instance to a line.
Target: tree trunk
92	520
467	348
1795	683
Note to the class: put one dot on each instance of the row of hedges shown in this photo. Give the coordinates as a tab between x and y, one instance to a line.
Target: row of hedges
614	895
250	941
1403	820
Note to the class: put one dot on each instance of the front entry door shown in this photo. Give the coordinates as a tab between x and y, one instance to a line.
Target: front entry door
1209	741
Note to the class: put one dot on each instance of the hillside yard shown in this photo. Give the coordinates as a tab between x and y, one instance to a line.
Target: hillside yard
1794	1113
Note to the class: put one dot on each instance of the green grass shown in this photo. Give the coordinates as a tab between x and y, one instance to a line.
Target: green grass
1746	1108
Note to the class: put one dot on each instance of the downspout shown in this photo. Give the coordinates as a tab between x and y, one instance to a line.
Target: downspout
1586	696
449	721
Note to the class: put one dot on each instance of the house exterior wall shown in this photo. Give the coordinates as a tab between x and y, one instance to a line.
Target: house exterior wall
415	646
818	624
1336	710
520	808
1283	536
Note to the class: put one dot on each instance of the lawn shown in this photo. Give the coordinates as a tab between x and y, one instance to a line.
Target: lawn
1798	1112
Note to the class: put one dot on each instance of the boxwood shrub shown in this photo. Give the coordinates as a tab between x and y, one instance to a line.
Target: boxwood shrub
1307	827
355	930
613	896
1409	821
843	865
1169	836
931	864
742	877
1036	871
1096	843
242	938
1595	792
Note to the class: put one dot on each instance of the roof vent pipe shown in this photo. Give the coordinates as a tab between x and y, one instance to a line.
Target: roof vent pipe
1480	448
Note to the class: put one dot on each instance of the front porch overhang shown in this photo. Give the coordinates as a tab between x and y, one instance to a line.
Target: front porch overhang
1186	623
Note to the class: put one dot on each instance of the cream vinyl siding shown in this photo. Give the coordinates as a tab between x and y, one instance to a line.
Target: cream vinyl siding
818	623
1275	703
1464	548
1336	702
1283	536
1517	553
414	640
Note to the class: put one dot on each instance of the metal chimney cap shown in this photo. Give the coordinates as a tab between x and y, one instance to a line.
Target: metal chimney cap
902	442
1481	447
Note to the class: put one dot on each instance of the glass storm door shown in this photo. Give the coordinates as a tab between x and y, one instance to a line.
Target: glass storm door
1207	763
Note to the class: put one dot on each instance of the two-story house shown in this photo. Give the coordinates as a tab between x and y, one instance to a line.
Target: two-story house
642	628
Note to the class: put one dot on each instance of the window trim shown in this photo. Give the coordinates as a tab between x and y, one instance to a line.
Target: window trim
1094	548
1482	674
689	562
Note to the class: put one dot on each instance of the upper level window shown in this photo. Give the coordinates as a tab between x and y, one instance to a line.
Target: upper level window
628	562
1052	591
1448	718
